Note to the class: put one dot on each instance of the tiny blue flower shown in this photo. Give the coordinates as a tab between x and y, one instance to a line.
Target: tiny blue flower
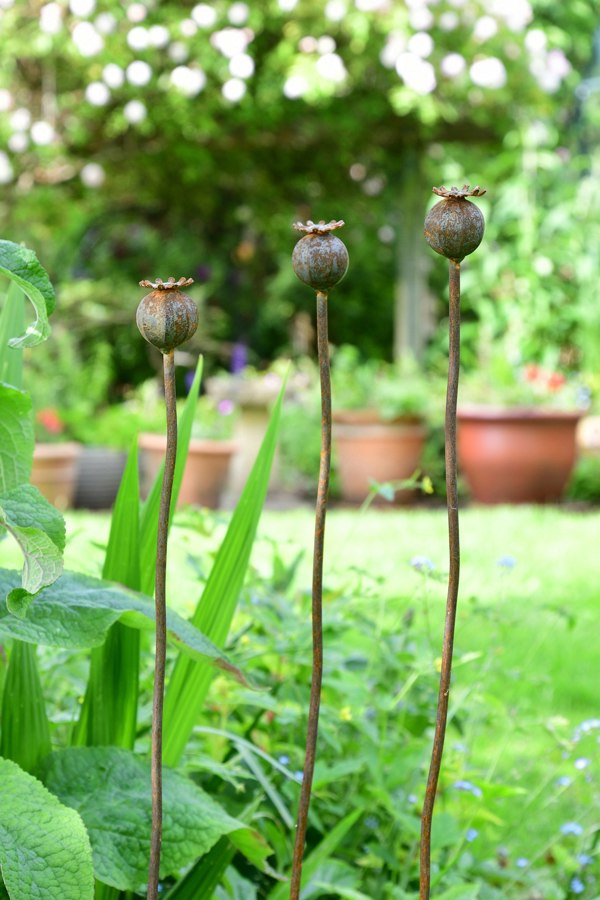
581	763
571	828
422	564
507	562
563	781
584	859
299	776
284	760
522	862
472	833
412	799
372	822
462	785
460	747
577	885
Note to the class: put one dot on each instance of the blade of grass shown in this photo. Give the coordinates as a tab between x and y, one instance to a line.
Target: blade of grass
109	711
149	514
25	730
190	680
205	876
12	322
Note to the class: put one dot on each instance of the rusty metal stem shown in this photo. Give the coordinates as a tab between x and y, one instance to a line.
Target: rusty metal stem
453	578
317	595
161	624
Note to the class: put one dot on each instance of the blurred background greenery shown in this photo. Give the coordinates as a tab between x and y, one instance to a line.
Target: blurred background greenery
156	138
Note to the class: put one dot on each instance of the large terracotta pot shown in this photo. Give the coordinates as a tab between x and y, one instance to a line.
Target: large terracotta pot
516	455
206	468
369	449
54	472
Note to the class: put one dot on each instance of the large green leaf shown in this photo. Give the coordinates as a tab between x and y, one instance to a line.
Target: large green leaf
44	847
22	266
12	322
39	529
190	681
110	788
16	438
77	611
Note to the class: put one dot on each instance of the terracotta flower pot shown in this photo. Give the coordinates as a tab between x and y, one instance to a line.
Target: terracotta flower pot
516	455
369	449
54	472
99	475
206	468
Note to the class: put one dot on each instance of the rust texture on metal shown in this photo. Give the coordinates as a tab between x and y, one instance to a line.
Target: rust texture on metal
453	579
454	227
320	258
161	624
317	595
166	317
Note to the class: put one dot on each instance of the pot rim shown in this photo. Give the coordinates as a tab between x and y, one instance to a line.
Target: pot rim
483	413
149	441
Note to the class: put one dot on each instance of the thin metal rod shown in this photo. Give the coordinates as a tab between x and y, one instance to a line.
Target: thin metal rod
453	578
161	624
317	595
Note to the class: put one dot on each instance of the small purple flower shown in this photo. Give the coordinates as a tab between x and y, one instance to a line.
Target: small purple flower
507	562
471	834
573	828
422	564
188	379
577	885
239	357
468	786
522	862
225	407
581	763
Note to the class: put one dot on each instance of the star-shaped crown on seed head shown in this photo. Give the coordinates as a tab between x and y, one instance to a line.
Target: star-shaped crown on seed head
169	285
454	193
318	227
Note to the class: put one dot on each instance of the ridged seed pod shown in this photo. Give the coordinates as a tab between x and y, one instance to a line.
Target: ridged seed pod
320	259
167	317
454	227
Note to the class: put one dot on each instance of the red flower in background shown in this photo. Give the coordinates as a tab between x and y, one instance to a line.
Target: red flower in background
50	420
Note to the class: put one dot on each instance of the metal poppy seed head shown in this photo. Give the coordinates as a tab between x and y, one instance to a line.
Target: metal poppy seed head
320	259
454	227
169	285
166	317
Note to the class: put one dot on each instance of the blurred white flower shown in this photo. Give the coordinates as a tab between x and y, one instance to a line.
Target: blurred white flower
241	66
326	44
92	175
358	171
97	93
485	28
188	27
295	86
331	66
233	90
138	73
82	8
204	15
42	133
458	3
159	36
18	142
287	5
20	120
420	18
386	234
51	18
113	75
189	81
416	73
178	52
6	169
373	186
5	99
516	13
395	45
105	23
87	40
453	65
335	10
372	5
238	13
558	63
230	41
535	40
138	38
449	21
488	73
308	44
421	44
136	12
135	112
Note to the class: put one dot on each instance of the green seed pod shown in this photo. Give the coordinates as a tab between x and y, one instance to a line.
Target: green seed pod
167	317
320	259
454	227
